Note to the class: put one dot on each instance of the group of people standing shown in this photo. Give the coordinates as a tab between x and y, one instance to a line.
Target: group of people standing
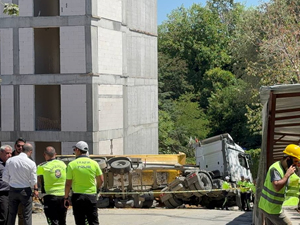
19	175
247	191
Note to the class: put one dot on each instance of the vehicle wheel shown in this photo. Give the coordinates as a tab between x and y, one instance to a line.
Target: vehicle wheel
102	163
172	203
205	182
103	202
148	202
120	166
120	203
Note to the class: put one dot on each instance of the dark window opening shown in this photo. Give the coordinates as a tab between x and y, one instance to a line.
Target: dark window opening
46	7
46	50
47	107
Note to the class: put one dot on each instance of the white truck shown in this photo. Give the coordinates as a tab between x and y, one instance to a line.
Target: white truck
222	157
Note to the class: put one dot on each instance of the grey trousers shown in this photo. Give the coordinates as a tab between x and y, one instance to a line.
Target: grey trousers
276	219
20	196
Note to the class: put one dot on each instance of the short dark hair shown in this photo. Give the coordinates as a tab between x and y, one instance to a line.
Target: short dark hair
20	139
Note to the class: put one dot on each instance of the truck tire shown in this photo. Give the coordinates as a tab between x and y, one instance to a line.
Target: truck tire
103	202
124	203
148	202
120	166
205	182
102	163
173	203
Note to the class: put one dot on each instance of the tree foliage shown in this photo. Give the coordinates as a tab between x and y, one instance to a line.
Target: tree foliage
222	53
10	9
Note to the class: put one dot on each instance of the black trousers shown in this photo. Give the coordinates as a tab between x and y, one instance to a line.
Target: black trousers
244	200
55	210
85	207
3	207
20	196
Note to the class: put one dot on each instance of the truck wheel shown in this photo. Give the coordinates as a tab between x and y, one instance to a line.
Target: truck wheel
103	202
120	166
148	202
102	163
120	203
172	203
205	182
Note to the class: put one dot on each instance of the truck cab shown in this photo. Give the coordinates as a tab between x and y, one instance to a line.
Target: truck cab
223	157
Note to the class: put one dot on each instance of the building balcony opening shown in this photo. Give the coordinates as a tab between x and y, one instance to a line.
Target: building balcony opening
46	7
47	108
46	50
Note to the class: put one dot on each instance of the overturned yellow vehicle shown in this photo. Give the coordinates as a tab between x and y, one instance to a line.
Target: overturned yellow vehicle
138	180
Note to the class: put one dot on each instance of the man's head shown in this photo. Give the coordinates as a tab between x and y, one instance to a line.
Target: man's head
291	155
81	148
19	145
242	177
49	153
227	178
27	149
5	152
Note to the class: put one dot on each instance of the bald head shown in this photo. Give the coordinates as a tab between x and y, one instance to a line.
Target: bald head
50	152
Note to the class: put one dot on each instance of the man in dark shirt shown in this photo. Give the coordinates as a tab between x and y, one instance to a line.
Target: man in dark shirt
18	146
5	154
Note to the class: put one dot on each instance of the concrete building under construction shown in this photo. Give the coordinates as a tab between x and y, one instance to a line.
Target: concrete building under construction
80	70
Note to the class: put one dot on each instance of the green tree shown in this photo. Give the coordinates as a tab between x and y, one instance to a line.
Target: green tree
226	113
10	9
179	120
197	36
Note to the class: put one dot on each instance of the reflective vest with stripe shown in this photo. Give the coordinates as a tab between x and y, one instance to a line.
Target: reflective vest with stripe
226	185
292	192
270	200
242	186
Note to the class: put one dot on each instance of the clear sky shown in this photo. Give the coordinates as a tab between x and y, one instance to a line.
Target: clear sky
164	7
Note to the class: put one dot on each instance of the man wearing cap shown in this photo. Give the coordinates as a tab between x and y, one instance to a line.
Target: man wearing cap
226	187
52	177
242	185
275	185
81	175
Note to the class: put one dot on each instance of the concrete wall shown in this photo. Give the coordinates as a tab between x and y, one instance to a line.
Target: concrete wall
72	46
108	75
73	108
6	53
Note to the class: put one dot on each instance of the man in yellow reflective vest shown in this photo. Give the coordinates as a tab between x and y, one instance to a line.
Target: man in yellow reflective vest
241	184
274	190
226	187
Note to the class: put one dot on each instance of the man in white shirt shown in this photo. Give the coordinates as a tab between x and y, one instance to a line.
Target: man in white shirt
20	174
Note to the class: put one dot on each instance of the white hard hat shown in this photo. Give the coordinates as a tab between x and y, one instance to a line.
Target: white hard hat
227	178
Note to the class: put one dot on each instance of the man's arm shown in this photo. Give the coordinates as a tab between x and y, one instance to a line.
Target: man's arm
99	180
279	184
67	191
5	175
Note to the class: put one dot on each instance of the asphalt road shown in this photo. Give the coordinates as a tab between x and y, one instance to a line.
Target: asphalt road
162	216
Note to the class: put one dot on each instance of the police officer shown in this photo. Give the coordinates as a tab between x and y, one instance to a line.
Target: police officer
242	185
81	175
226	187
52	177
273	192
